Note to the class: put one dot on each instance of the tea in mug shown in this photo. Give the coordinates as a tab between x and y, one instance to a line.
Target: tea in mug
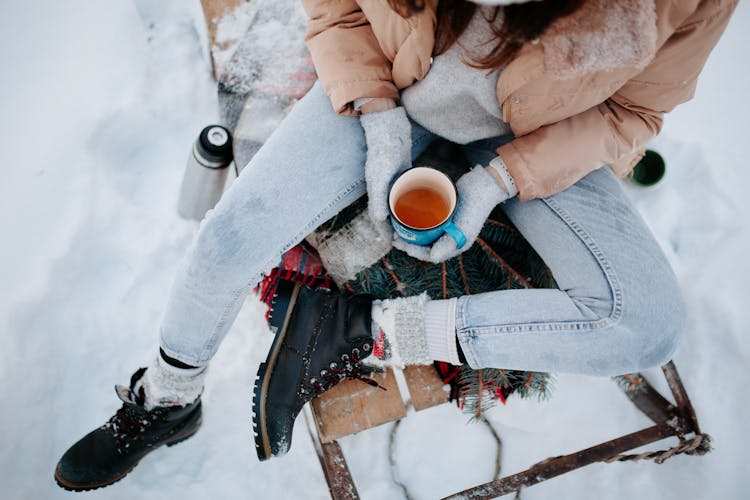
421	208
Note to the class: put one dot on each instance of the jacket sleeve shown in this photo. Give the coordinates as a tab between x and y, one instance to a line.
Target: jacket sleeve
347	57
553	157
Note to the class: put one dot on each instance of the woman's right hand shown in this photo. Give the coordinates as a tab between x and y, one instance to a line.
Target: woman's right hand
388	137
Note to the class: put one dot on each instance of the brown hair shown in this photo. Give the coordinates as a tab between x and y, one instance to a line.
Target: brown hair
519	24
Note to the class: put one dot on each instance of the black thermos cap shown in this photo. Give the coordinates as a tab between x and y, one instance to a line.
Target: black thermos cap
215	144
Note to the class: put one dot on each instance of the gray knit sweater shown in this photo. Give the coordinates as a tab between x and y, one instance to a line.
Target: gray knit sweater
455	101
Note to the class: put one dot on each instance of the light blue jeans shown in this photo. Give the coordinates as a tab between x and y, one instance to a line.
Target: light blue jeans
618	309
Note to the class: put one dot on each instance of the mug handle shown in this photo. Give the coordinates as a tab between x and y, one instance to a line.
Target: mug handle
454	232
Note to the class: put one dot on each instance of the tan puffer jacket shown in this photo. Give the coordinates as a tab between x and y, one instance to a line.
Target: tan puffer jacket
591	91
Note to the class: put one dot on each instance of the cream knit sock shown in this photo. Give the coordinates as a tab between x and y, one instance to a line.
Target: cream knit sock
167	385
414	331
440	330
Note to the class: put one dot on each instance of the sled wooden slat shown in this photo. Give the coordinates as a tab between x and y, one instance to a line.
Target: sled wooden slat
213	12
425	386
353	406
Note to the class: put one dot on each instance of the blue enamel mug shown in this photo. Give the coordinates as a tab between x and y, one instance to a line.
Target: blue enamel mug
435	181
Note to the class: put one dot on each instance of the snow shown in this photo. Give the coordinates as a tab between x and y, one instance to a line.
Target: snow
101	102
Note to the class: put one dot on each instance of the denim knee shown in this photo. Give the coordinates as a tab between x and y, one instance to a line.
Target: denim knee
655	324
639	321
667	328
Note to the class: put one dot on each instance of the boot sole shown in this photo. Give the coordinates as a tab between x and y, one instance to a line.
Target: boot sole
67	485
281	309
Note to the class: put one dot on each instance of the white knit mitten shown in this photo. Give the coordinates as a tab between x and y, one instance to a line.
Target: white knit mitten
388	136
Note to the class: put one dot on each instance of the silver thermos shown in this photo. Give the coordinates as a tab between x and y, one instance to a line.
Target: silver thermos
206	172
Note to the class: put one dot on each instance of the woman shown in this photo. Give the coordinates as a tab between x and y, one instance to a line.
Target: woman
541	96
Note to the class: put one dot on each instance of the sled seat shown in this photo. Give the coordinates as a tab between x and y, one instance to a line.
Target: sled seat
352	407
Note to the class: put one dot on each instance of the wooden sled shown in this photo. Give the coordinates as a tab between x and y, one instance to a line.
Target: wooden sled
352	406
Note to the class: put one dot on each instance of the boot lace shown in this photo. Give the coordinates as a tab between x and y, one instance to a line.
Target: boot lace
350	367
129	424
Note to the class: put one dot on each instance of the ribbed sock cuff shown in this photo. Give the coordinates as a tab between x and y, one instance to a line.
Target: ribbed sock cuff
184	373
402	321
173	361
440	330
410	339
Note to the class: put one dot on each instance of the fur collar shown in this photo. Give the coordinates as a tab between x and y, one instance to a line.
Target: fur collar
602	35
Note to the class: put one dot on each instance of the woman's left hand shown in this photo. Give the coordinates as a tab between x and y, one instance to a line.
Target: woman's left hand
478	194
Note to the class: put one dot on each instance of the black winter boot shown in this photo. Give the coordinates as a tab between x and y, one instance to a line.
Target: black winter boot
321	337
108	453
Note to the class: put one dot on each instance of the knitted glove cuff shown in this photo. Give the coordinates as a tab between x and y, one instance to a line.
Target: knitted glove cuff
478	190
384	129
358	103
373	104
498	167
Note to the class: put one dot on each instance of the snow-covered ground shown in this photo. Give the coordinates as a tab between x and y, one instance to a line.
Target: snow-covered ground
100	103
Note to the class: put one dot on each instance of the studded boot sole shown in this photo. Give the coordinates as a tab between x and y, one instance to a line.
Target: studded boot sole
281	309
321	336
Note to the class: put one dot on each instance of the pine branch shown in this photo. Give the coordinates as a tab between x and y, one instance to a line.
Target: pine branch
494	255
503	225
464	278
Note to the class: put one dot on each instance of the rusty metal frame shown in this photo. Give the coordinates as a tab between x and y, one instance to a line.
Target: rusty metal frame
670	421
332	461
